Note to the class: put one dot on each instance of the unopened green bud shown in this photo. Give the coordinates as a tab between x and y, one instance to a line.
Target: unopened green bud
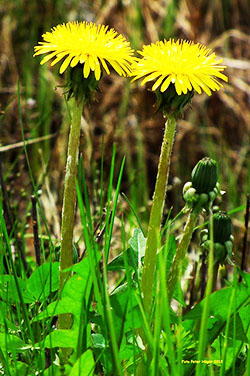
190	194
222	227
203	198
204	175
204	235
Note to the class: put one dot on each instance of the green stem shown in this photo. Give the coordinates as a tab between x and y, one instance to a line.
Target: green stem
69	201
205	312
182	249
156	214
215	275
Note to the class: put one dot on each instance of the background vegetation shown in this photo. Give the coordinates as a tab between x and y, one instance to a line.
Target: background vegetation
216	126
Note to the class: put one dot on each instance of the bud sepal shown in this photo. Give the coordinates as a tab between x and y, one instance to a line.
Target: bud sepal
169	102
223	239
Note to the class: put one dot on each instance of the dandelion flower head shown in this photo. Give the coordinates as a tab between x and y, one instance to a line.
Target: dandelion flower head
89	44
186	65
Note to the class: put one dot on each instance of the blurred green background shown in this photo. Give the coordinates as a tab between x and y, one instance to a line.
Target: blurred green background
216	126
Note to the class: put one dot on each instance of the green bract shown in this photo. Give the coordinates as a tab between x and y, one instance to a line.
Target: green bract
81	88
172	103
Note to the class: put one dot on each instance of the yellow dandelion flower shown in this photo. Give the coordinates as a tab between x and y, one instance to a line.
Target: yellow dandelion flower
88	44
186	65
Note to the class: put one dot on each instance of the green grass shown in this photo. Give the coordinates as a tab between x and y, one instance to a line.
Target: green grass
105	320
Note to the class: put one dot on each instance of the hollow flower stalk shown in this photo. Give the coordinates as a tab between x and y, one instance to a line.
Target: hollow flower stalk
176	69
85	50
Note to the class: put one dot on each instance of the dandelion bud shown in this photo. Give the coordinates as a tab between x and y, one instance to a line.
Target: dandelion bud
222	227
204	175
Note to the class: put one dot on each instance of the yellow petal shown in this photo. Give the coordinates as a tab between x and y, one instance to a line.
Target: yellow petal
117	67
86	69
104	65
65	64
151	77
158	82
75	61
91	62
58	58
166	84
48	57
97	71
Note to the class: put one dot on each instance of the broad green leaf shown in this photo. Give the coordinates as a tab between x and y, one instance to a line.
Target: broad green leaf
71	301
61	338
217	348
19	368
75	290
9	292
170	248
10	343
138	244
43	281
84	366
118	262
239	330
178	294
219	303
82	267
98	341
244	313
4	318
134	254
126	314
53	370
